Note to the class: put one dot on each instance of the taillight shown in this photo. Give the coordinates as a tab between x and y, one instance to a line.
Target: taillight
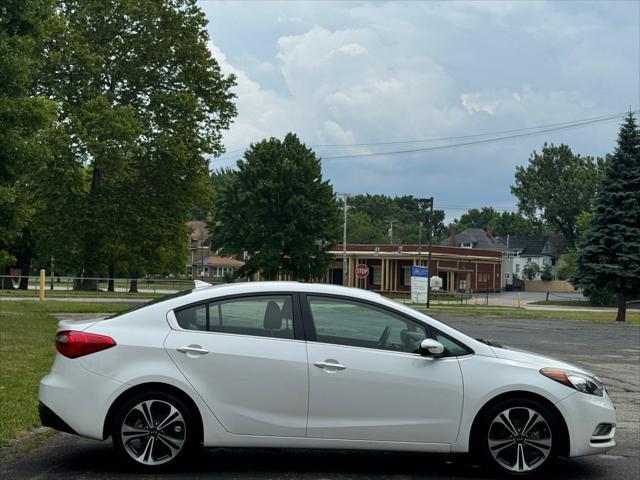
73	344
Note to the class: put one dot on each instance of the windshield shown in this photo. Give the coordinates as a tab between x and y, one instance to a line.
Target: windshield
152	302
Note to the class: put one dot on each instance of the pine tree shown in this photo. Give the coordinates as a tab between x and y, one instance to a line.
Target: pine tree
610	252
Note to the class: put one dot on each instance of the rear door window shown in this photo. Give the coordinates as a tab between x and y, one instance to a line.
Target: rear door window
262	316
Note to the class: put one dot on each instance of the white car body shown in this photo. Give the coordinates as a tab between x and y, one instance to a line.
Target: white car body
253	391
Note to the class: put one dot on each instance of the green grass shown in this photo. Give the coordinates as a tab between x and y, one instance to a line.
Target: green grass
76	293
563	303
26	354
633	317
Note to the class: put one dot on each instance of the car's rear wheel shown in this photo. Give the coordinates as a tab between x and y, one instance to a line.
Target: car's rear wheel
520	437
153	430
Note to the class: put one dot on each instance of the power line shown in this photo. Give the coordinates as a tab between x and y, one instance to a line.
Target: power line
476	142
469	207
560	125
476	135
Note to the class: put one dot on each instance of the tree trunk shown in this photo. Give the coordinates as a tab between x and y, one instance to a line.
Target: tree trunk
85	285
622	307
133	287
24	264
24	283
112	273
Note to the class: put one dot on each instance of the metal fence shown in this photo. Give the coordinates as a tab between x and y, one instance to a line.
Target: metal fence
29	285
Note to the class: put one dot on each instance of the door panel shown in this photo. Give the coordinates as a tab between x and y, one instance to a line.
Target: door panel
368	383
253	385
383	395
244	356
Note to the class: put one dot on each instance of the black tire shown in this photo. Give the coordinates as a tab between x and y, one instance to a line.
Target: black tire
522	442
160	448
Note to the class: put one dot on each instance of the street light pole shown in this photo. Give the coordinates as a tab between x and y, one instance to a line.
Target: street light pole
420	243
430	248
345	277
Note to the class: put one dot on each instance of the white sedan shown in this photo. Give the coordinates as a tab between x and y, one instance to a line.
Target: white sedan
283	364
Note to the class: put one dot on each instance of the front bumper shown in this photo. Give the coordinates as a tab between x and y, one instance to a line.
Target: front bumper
584	414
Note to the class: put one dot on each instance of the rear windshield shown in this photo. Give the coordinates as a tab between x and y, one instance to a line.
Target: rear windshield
152	302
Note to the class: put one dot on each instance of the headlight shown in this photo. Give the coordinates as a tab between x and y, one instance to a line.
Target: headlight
578	381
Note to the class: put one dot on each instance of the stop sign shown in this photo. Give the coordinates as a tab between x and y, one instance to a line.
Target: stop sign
362	271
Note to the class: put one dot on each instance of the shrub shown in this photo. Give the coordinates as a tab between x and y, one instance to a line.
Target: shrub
546	274
601	297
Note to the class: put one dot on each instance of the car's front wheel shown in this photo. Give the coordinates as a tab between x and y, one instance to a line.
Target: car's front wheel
520	436
153	430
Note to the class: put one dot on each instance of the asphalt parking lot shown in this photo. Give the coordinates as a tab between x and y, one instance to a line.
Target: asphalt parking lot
612	351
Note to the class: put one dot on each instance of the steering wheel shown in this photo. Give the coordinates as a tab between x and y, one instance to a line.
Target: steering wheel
382	341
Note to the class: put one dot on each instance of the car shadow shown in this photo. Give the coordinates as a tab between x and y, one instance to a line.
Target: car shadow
97	461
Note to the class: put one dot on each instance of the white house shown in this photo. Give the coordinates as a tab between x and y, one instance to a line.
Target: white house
517	251
523	249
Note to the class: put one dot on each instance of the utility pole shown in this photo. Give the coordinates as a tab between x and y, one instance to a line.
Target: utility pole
430	248
201	255
391	231
52	272
420	243
345	272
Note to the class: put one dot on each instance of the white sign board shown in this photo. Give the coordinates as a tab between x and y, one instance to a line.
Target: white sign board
419	284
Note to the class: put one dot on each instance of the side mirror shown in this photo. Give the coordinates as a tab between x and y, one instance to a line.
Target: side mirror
430	347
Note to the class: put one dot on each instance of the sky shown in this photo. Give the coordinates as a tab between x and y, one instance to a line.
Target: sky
365	73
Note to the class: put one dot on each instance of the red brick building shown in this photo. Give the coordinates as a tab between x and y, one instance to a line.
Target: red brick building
390	267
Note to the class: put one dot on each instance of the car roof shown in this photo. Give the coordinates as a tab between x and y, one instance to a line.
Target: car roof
205	294
277	286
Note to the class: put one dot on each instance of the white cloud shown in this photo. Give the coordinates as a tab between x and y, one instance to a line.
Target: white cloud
343	72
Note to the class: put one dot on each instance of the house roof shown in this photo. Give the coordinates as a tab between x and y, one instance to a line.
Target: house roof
477	237
531	245
413	249
217	261
527	244
198	230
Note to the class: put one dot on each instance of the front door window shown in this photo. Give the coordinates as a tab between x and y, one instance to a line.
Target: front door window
345	322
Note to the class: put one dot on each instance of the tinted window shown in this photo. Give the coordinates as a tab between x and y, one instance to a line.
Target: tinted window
264	316
451	347
152	302
346	322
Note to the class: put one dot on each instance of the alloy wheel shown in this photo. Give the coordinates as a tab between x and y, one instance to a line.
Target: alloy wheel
519	439
153	432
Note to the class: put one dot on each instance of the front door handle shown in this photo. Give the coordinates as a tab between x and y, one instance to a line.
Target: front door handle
193	349
330	365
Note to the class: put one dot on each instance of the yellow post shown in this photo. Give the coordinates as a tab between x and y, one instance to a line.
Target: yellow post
519	300
42	280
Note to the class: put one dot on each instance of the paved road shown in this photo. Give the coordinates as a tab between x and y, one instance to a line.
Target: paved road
612	351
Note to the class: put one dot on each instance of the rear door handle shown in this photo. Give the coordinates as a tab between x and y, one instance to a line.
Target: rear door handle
330	365
193	349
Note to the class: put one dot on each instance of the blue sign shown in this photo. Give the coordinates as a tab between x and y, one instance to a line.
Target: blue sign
417	271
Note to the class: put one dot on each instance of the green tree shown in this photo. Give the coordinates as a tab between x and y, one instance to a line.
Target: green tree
546	274
609	255
556	187
530	270
279	210
376	212
476	218
26	119
568	266
144	104
502	223
514	223
362	229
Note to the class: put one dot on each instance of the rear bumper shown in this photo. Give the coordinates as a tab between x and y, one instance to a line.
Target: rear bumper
49	419
75	399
